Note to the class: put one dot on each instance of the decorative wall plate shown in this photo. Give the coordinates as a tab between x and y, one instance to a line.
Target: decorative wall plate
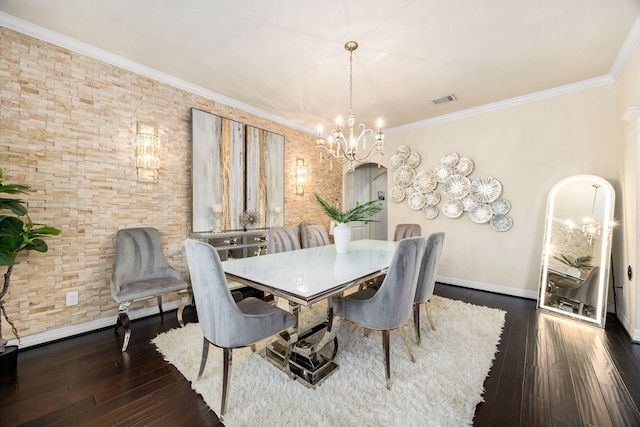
425	181
413	160
500	206
416	201
432	198
396	194
485	189
456	187
464	166
396	161
450	159
442	172
404	151
501	222
468	203
452	208
404	176
480	213
408	191
430	212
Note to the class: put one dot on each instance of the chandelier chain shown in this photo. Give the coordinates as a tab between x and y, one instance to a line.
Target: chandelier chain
350	83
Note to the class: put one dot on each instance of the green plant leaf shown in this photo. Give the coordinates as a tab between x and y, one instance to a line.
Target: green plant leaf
361	212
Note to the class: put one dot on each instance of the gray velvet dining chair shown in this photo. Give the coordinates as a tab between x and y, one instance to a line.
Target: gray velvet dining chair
281	239
406	230
141	271
312	235
586	294
225	323
389	306
427	279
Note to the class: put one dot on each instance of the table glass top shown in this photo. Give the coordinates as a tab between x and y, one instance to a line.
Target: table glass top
308	273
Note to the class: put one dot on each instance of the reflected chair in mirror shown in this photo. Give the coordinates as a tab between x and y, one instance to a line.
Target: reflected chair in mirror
389	306
403	231
585	295
427	279
141	271
312	235
281	239
225	323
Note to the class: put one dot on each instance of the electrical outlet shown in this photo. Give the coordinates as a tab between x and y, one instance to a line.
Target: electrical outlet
72	298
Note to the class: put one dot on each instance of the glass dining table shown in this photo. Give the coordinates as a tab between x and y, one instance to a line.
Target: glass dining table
304	277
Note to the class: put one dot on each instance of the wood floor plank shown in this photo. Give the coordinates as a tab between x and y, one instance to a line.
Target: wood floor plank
549	371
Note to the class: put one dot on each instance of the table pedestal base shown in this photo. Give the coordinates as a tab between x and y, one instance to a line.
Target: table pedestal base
311	369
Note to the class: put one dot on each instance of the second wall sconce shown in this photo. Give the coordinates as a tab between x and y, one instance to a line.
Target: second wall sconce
301	176
147	146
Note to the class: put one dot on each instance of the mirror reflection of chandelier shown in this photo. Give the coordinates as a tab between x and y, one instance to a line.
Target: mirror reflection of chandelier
590	227
353	148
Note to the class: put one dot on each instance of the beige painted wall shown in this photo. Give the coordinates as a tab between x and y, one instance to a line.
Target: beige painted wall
66	126
528	148
626	246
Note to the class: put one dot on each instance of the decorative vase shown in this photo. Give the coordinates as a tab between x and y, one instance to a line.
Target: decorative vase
342	237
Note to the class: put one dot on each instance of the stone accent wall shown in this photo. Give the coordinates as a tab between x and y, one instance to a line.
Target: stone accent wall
66	127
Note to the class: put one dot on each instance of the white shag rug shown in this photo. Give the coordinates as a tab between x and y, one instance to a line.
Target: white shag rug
442	388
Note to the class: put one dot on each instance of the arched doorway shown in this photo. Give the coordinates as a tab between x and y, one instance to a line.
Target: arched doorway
367	182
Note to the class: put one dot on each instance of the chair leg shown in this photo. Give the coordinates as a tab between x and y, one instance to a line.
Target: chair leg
123	319
203	359
228	360
407	342
386	335
433	325
416	321
183	303
159	298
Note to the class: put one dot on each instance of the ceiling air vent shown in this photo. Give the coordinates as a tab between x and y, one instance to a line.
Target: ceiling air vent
444	99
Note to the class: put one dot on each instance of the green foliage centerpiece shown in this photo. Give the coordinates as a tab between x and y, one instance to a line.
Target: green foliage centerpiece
342	233
17	233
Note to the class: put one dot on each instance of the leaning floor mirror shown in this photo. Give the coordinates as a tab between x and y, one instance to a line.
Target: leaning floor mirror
577	249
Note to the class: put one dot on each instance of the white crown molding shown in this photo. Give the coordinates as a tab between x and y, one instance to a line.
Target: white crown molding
518	100
33	30
626	51
28	28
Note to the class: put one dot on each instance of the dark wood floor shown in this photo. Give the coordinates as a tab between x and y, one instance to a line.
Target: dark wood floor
548	372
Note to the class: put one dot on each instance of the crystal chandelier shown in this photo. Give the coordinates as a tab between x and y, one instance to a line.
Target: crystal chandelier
351	148
590	227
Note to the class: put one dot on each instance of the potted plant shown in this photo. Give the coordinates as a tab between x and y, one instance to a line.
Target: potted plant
575	264
342	232
17	233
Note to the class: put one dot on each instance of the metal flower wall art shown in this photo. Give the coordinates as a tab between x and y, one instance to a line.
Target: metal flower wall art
250	220
450	183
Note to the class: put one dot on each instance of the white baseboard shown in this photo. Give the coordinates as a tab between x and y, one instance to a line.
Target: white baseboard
633	333
92	325
489	287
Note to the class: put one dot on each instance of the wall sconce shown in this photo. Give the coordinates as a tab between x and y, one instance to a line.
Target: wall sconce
147	145
301	177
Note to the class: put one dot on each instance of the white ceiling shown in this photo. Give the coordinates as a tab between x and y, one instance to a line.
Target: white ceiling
287	57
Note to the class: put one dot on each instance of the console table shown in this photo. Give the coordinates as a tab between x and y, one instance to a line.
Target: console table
236	243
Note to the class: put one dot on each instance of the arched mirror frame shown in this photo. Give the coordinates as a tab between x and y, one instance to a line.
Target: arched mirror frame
606	191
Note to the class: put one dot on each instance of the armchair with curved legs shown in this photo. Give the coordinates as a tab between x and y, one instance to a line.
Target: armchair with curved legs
141	271
427	279
389	306
225	323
